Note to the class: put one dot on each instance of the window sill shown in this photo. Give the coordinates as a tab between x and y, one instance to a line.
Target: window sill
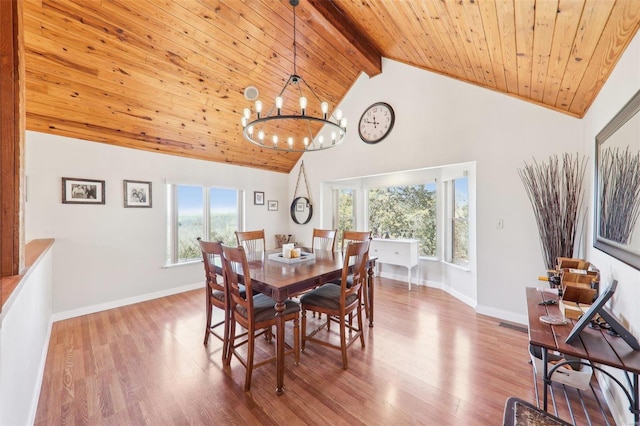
457	266
177	265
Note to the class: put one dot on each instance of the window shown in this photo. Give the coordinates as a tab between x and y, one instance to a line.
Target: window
188	208
346	211
405	212
460	221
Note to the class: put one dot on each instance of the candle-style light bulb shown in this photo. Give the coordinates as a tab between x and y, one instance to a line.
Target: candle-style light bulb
325	109
303	105
333	138
250	131
343	122
258	108
290	141
338	114
306	142
279	102
247	113
321	139
244	122
261	135
275	140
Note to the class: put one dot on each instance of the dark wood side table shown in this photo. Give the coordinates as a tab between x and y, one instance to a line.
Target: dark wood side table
595	346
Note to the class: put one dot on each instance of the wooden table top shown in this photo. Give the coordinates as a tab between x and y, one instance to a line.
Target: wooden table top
595	345
281	280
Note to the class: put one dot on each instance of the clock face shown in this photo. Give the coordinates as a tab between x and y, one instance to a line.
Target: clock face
376	122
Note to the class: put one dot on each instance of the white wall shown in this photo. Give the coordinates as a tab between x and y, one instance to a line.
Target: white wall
108	255
24	340
620	87
441	121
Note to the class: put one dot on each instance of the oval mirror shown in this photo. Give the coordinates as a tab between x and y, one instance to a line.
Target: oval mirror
301	210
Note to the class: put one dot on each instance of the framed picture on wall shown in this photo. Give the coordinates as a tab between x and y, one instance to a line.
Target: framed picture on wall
137	193
258	198
272	205
82	191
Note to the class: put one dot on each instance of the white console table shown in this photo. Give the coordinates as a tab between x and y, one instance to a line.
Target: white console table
402	252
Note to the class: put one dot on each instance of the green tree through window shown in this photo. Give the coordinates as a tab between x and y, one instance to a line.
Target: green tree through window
405	212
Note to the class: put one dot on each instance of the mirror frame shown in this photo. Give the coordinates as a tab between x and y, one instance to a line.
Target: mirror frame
293	210
611	248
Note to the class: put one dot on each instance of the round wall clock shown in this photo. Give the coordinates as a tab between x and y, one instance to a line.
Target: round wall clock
376	122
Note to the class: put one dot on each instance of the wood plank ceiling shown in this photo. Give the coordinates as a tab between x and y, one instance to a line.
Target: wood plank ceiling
169	75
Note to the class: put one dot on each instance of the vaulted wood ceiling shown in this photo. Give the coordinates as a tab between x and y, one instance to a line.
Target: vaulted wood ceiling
169	75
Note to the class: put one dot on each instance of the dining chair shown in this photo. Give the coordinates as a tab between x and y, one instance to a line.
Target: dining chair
324	239
253	242
257	313
215	293
339	302
348	237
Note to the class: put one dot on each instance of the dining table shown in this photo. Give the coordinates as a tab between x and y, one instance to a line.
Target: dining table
283	279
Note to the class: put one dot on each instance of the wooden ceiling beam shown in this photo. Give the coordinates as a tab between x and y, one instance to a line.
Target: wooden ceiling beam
344	34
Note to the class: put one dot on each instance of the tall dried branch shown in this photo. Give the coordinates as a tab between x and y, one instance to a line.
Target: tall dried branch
555	189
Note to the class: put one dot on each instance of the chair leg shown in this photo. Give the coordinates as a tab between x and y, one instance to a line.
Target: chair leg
225	341
232	341
250	349
366	297
207	329
343	342
304	328
360	329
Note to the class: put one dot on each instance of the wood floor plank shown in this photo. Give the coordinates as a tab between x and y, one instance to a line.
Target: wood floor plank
429	359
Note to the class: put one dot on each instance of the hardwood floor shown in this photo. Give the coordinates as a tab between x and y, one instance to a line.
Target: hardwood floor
429	359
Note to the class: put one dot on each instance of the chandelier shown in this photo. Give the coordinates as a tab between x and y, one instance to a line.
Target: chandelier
293	128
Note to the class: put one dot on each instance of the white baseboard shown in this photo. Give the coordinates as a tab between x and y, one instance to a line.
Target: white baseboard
59	316
503	315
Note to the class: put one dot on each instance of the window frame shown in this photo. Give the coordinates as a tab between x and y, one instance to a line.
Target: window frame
450	221
172	255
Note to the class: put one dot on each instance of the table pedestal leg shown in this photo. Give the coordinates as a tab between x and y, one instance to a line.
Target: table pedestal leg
280	307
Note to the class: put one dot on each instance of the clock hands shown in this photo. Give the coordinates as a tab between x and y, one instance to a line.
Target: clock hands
374	122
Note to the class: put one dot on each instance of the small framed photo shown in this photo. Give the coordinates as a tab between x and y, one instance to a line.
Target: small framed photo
82	191
137	193
272	205
258	198
300	206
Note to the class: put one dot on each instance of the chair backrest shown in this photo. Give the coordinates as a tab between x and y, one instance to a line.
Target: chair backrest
355	267
349	236
234	259
212	255
324	239
253	243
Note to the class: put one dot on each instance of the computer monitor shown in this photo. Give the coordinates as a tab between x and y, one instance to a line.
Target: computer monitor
597	308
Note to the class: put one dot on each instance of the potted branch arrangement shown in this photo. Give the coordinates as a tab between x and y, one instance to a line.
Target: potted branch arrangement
555	189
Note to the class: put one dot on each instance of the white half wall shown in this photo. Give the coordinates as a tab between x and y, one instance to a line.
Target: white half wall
24	340
108	255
